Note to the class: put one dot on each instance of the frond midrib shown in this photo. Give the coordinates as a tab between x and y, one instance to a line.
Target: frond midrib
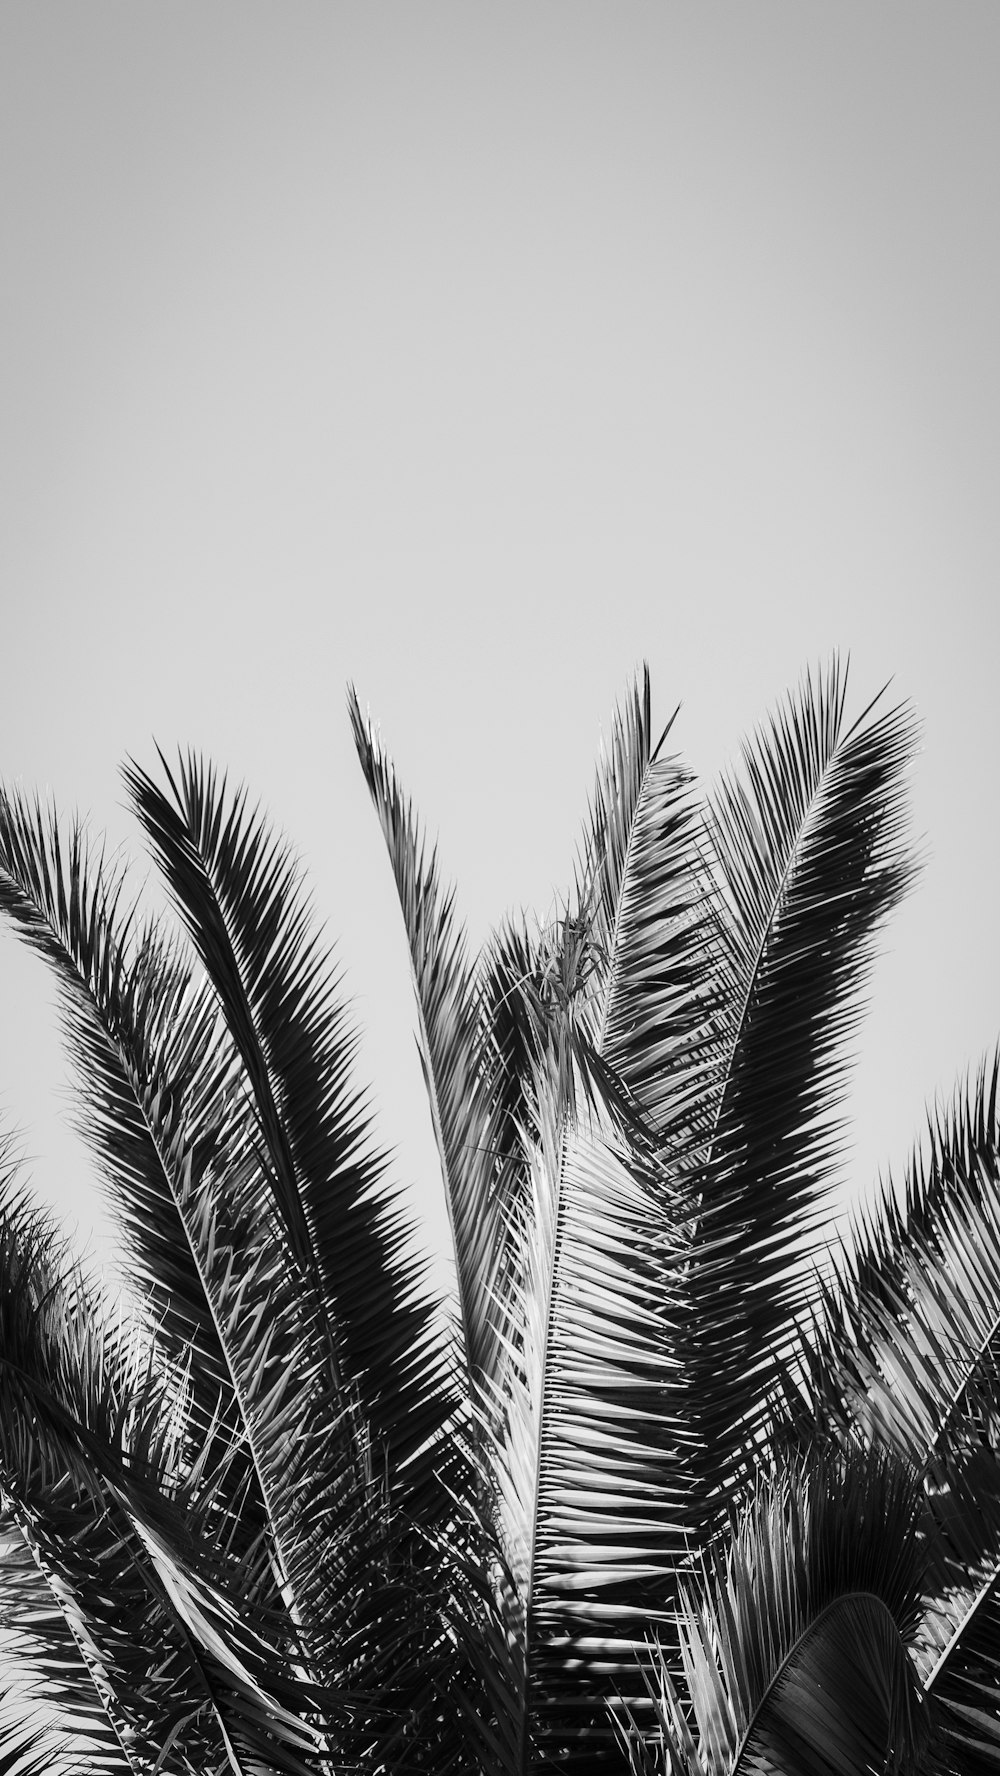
544	1386
981	1597
86	1656
614	971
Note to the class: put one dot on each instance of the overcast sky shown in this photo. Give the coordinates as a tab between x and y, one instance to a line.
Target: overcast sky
475	353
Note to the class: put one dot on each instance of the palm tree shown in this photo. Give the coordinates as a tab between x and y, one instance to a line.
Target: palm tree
660	1491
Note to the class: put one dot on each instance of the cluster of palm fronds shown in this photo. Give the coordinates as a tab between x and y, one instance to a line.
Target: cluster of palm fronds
660	1494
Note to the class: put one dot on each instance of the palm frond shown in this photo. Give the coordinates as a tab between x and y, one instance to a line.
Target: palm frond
88	1435
643	890
961	1634
811	860
142	1040
909	1346
588	1478
239	894
795	1642
179	1143
910	1333
460	1061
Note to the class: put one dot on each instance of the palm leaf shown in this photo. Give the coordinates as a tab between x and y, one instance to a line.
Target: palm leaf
909	1345
795	1642
644	890
178	1140
811	860
352	1460
238	891
462	1063
590	1484
144	1044
87	1442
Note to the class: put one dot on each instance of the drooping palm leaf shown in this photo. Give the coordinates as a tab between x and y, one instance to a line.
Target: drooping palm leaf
909	1345
155	1117
795	1644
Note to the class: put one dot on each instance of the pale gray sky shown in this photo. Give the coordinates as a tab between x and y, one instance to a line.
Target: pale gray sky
474	353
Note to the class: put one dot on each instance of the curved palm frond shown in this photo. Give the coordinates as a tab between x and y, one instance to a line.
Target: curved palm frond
811	859
909	1345
645	893
589	1483
179	1144
795	1644
239	893
117	1020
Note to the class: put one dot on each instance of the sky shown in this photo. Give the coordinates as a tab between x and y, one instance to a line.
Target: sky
475	354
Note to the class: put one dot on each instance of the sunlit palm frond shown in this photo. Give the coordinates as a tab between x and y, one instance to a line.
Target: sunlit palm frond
961	1638
53	1720
586	1470
911	1323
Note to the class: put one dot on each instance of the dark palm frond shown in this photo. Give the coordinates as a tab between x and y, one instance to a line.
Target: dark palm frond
909	1345
811	859
963	1682
240	896
177	1139
795	1644
329	1271
459	1060
88	1444
911	1320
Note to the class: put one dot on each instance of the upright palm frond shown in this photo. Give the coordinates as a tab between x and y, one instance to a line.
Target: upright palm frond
238	891
462	1066
811	858
644	892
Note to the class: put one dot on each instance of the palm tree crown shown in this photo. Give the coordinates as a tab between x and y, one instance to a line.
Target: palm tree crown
659	1493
